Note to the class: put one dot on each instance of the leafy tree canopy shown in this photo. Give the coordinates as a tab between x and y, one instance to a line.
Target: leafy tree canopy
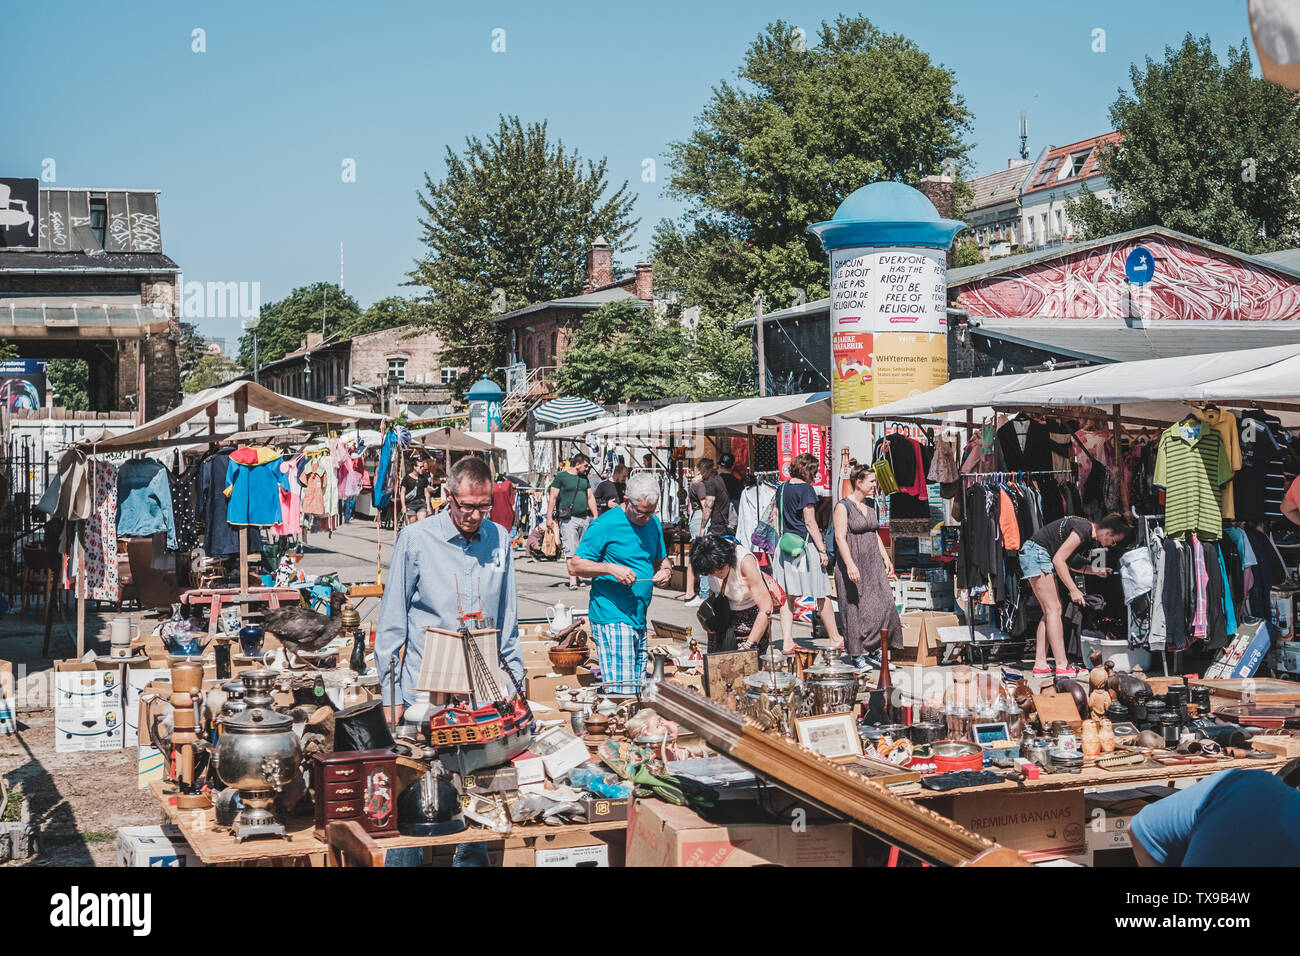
515	212
1209	149
804	126
285	323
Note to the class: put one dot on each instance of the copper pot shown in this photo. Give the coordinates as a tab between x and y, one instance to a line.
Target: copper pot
565	660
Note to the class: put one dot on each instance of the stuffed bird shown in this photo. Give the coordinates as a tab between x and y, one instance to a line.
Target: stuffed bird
302	629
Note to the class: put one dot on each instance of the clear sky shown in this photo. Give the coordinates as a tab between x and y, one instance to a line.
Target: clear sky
246	141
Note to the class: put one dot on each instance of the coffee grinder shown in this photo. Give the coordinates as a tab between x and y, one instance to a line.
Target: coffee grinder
187	689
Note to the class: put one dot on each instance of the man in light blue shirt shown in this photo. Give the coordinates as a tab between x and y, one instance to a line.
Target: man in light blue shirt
454	563
623	553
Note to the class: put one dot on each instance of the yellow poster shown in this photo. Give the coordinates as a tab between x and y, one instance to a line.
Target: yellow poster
851	385
908	363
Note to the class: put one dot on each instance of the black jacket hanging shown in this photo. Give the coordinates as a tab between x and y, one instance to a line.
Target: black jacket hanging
1035	456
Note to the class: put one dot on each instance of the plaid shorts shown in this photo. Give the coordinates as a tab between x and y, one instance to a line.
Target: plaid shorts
622	649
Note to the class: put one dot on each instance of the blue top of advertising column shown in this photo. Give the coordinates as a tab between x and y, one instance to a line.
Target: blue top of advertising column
485	390
886	214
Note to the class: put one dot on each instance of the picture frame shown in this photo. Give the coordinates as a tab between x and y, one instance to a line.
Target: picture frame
989	733
830	735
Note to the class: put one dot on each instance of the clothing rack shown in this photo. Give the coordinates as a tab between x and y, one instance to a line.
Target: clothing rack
1000	475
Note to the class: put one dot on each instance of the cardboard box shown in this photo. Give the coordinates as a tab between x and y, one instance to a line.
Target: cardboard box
83	686
1286	656
1110	814
605	809
541	688
150	765
87	707
154	846
1041	827
921	642
1282	613
496	780
137	679
529	769
1244	653
560	751
663	835
584	856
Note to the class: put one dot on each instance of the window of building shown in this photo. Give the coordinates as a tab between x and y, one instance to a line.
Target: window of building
448	375
1060	227
541	353
1077	164
1029	230
397	370
1048	171
1042	225
99	217
555	344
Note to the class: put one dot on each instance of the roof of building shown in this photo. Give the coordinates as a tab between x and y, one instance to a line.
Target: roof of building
1125	340
1063	165
614	292
1278	262
995	188
13	261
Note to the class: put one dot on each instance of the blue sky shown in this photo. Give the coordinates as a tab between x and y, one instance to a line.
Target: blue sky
247	140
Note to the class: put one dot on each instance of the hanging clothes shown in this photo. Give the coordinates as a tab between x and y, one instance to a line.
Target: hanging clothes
943	464
351	477
100	582
219	537
182	493
753	505
252	487
1225	423
1024	445
144	501
1260	485
1192	465
313	485
290	499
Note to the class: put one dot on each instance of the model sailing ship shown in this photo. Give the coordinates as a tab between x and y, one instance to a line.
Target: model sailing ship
489	728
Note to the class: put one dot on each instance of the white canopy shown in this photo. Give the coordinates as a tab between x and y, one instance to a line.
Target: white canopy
257	397
686	418
1151	389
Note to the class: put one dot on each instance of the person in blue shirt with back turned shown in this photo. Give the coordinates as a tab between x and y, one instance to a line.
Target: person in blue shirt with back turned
1233	818
623	552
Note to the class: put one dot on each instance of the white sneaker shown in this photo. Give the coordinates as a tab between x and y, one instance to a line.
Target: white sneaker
694	602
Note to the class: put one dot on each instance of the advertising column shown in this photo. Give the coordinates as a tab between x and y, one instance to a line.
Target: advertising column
888	296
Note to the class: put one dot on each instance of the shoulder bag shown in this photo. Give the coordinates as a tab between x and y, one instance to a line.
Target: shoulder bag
790	544
764	535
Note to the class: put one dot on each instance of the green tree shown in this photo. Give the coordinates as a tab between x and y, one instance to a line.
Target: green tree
191	349
721	360
1209	149
514	212
623	352
210	371
967	253
780	149
284	324
68	379
387	313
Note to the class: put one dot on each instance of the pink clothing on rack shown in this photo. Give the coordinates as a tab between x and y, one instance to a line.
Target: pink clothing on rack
290	501
350	478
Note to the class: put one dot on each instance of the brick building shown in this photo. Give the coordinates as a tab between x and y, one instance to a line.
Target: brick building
538	334
83	275
404	367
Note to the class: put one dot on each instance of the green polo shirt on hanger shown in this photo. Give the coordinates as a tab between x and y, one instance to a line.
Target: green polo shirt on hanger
1192	465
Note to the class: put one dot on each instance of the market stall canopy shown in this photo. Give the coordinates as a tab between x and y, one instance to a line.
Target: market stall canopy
566	411
686	418
449	439
1151	390
812	408
257	435
256	396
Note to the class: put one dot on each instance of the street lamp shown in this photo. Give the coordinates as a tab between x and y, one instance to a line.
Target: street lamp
251	325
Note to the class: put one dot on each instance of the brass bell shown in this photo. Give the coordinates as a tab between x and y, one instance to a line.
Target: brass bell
349	617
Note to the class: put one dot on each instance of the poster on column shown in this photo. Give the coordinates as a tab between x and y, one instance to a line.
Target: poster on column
794	440
908	364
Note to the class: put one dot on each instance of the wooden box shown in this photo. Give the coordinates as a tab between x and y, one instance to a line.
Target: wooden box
356	785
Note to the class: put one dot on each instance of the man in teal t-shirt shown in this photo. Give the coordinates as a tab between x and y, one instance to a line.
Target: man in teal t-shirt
623	552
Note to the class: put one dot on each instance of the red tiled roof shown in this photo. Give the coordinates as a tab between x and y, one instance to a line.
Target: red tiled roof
1057	156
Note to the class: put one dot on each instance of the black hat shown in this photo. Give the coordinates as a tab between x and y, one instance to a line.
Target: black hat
726	460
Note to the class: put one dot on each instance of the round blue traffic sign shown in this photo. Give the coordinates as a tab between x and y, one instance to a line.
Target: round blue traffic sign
1140	265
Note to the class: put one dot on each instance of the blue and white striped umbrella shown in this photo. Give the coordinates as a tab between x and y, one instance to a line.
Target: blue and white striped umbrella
567	411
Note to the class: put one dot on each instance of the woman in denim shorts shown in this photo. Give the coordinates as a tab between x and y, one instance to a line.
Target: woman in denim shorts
1044	560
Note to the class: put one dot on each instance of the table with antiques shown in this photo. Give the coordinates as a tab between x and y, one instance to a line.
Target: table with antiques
216	845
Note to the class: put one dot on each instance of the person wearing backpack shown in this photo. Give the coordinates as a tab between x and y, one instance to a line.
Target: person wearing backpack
801	560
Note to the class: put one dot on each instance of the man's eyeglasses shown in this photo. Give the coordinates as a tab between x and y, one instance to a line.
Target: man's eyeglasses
480	509
635	512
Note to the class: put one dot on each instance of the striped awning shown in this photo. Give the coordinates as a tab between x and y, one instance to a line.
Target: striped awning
566	411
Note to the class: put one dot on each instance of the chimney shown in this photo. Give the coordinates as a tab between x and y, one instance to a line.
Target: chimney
645	281
314	339
939	190
600	265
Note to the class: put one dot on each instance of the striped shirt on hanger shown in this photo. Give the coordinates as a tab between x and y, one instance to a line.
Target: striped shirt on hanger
1192	469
